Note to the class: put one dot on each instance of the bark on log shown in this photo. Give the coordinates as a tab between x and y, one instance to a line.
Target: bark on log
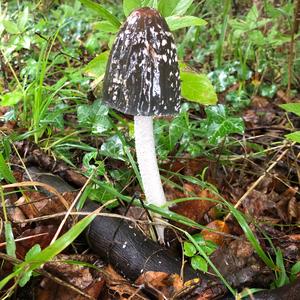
130	252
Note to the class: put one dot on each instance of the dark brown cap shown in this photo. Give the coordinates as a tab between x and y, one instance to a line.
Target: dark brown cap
142	74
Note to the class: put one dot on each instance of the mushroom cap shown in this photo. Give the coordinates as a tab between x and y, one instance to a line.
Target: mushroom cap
142	74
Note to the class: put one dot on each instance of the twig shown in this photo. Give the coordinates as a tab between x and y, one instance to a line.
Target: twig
70	209
255	184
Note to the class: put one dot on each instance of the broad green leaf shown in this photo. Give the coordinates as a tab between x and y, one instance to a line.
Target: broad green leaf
10	240
11	27
5	171
177	22
294	136
199	263
189	249
292	107
11	98
102	12
166	7
197	88
96	67
130	5
181	7
151	3
105	26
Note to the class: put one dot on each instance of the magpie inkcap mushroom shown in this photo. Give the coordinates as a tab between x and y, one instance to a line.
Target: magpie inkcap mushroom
142	79
142	74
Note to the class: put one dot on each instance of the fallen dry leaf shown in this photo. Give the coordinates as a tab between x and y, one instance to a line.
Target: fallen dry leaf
215	237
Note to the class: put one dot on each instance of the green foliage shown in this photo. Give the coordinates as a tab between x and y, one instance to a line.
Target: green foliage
94	116
10	241
293	108
35	258
219	124
197	261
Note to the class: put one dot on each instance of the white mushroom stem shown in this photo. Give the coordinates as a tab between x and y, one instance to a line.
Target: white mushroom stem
146	157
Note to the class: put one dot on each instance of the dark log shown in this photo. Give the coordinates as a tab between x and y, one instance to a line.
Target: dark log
130	252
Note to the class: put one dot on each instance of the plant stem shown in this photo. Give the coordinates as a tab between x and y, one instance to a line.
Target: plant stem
146	157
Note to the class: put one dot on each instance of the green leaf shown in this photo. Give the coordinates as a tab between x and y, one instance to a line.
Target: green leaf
105	26
218	124
199	263
5	171
94	116
97	66
113	148
189	249
33	251
130	5
295	270
87	160
282	278
11	98
197	88
23	18
177	22
292	107
166	7
102	12
294	136
11	27
181	7
177	127
30	255
10	240
59	245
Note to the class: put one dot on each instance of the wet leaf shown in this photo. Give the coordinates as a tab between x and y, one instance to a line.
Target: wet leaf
197	88
94	116
199	263
219	125
189	249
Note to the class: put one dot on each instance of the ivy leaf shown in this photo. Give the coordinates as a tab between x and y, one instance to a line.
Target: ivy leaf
94	116
218	124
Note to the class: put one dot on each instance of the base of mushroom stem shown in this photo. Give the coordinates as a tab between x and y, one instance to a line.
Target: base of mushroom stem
160	229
